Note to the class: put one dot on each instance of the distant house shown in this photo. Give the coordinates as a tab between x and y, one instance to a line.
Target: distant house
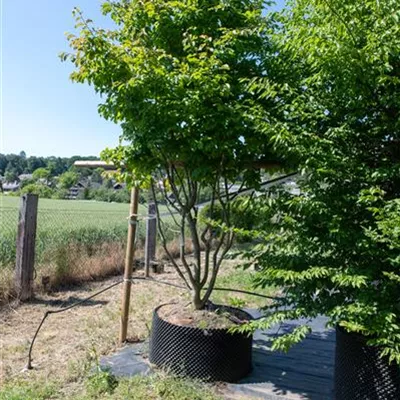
83	184
11	186
24	177
76	189
119	186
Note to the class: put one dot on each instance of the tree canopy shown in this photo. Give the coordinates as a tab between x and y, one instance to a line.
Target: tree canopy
174	74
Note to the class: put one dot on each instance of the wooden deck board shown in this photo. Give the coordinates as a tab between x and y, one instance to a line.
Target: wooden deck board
305	372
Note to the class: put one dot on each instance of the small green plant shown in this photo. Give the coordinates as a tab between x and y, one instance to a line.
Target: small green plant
203	324
237	302
101	382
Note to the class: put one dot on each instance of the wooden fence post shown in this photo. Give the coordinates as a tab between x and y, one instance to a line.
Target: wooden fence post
151	234
26	237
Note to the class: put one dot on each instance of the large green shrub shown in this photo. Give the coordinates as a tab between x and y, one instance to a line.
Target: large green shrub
335	247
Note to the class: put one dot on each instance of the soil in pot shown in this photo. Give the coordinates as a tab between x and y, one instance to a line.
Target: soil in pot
199	344
214	316
360	372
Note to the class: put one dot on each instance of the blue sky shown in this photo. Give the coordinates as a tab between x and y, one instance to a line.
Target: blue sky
43	113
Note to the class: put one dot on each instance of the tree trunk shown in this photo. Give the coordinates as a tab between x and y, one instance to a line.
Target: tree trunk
196	298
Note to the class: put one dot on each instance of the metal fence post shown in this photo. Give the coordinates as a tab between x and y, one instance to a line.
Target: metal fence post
151	234
25	249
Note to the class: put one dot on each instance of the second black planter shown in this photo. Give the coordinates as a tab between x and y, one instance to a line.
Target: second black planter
360	372
207	354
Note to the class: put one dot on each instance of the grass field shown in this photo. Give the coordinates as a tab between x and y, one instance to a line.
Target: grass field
64	215
75	239
12	202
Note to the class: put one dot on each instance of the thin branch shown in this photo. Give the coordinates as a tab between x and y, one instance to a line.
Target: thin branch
164	240
216	267
182	184
176	192
196	245
236	194
208	242
193	279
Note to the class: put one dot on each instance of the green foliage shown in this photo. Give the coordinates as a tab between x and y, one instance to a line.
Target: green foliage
242	216
205	194
97	175
68	179
11	175
174	75
335	248
60	194
26	182
241	279
160	386
64	225
101	385
101	382
40	189
109	195
183	67
19	163
26	390
41	173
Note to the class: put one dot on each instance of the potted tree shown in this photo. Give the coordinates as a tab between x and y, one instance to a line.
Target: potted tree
175	75
335	247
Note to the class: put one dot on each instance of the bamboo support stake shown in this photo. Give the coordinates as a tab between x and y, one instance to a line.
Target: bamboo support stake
130	254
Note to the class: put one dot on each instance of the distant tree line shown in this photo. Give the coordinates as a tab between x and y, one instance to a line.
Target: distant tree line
13	165
53	177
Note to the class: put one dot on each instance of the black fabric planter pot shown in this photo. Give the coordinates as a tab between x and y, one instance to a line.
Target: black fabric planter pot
360	372
207	354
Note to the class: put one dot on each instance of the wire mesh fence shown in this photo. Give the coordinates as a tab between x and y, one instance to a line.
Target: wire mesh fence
75	242
8	237
72	245
80	245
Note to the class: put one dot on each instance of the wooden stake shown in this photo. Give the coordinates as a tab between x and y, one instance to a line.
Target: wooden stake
129	259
